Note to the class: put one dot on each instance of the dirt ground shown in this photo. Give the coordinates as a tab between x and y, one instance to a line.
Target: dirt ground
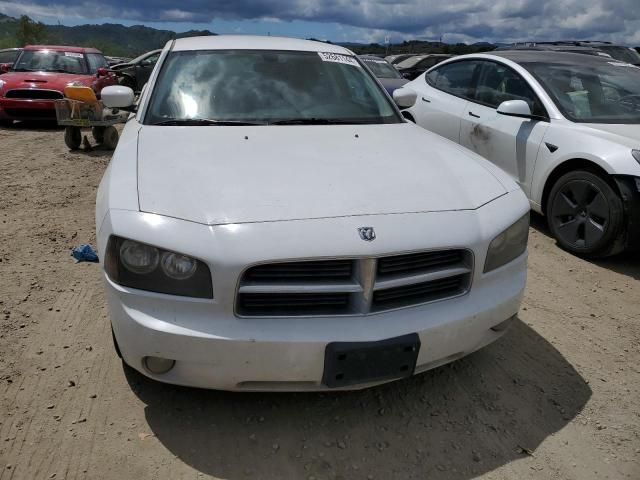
557	397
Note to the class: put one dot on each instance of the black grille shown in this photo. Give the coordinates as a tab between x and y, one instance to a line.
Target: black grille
31	113
415	263
314	271
34	94
353	286
419	292
283	304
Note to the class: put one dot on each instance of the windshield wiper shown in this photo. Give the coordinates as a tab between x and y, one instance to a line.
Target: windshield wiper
320	121
194	122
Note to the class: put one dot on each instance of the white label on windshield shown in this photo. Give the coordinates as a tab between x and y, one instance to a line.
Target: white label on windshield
73	54
338	58
621	64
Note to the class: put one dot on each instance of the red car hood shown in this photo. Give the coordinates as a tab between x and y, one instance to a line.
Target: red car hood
44	80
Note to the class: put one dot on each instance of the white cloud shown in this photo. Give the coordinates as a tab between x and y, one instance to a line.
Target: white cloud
457	20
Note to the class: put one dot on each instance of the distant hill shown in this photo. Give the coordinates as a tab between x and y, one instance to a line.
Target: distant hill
419	46
112	39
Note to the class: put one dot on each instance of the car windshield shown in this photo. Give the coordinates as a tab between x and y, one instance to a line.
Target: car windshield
381	68
624	54
265	87
51	61
602	92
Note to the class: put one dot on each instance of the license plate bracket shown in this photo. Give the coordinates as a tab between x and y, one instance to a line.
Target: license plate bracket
353	363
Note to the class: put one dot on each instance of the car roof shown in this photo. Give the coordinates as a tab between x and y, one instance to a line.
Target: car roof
255	42
63	48
549	56
10	49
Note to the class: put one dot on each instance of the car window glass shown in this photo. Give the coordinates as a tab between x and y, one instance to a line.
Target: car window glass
455	78
602	92
51	61
8	57
381	68
267	86
151	60
96	61
498	83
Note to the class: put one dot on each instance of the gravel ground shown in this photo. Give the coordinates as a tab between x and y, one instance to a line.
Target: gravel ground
557	397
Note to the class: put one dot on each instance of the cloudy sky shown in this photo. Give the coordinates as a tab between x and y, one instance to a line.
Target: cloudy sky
360	20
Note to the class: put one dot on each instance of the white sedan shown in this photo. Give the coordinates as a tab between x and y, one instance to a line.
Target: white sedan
269	221
565	126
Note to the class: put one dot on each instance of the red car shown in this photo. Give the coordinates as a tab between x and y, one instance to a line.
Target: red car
39	75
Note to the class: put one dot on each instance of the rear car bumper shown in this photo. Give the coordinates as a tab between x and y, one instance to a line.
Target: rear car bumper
14	109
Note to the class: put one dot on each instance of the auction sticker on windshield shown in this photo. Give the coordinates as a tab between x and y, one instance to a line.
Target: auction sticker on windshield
338	58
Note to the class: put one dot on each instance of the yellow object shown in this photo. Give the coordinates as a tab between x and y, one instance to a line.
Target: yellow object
81	94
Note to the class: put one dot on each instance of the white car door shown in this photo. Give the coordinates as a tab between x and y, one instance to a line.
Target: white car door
512	143
443	97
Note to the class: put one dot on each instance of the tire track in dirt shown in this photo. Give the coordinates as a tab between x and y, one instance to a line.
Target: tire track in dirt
56	405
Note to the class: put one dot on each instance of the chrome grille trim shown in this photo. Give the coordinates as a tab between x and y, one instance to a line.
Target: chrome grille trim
350	287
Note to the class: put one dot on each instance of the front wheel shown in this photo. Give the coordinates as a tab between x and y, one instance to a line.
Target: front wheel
72	137
110	137
585	215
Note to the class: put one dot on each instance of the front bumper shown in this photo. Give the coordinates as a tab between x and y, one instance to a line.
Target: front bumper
20	109
448	330
214	348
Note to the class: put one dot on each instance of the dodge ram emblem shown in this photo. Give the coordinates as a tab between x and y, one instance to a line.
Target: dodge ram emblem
368	234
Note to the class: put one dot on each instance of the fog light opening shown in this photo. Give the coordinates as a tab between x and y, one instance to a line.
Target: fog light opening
501	327
158	365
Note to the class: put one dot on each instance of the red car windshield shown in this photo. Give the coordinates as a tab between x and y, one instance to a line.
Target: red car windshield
51	61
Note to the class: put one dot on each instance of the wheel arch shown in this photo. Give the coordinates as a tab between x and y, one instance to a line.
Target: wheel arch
407	114
569	166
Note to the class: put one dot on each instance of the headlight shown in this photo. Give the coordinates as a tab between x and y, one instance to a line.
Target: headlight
635	153
509	245
1	84
145	267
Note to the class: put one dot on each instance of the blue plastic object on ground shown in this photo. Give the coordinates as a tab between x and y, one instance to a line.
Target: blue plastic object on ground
84	253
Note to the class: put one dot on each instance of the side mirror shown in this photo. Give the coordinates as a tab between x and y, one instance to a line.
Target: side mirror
117	96
515	108
5	67
102	72
405	97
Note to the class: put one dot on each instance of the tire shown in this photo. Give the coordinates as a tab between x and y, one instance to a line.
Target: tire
98	134
110	137
128	82
586	215
73	137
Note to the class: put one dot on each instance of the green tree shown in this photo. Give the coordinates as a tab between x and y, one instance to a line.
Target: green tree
30	32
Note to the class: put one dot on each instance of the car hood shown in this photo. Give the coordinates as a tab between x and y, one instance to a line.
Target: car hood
45	80
220	175
628	135
121	66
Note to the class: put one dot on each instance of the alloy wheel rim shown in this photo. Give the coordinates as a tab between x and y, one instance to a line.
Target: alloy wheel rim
580	214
